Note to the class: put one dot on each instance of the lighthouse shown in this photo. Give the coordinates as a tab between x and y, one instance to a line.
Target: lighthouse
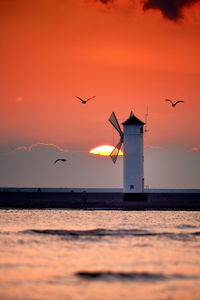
133	156
133	160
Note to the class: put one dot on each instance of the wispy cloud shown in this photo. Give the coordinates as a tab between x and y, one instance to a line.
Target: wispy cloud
154	147
194	149
30	148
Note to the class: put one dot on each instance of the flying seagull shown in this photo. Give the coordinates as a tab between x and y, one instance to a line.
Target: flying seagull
60	159
85	101
174	104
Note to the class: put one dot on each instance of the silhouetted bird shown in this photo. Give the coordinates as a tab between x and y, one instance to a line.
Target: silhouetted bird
60	159
174	104
85	101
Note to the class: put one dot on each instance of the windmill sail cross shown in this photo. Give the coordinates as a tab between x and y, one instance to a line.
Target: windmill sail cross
114	154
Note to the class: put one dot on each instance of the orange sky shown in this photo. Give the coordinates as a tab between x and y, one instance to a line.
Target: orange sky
52	51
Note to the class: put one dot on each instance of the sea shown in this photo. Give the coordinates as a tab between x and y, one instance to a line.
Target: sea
99	254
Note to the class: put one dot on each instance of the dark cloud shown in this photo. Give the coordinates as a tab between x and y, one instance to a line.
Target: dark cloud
171	9
105	1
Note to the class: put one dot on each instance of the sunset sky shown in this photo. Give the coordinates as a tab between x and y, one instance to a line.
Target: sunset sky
130	54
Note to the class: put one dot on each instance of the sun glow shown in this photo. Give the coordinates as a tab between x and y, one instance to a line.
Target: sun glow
104	150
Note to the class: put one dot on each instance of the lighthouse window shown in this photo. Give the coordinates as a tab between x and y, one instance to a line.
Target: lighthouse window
131	187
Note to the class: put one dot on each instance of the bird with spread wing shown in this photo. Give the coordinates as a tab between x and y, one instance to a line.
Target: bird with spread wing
175	103
59	159
85	101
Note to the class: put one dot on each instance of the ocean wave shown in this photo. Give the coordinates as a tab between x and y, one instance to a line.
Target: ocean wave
186	226
99	232
91	232
136	276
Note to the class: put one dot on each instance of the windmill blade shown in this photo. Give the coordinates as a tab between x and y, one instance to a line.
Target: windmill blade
115	152
114	122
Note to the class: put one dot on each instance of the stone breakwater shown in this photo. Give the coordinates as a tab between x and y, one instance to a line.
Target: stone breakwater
98	200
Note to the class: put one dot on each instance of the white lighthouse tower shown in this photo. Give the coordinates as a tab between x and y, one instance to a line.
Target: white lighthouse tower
132	137
133	156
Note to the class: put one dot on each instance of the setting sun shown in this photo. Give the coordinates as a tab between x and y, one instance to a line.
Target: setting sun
104	150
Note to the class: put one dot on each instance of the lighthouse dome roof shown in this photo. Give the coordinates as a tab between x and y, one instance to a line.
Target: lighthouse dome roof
133	120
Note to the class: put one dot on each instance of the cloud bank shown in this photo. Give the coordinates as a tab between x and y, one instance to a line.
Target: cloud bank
170	9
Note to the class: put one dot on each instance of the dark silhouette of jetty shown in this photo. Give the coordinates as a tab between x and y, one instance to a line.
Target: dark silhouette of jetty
97	199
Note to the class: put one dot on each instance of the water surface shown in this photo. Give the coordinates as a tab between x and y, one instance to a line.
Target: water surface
84	254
